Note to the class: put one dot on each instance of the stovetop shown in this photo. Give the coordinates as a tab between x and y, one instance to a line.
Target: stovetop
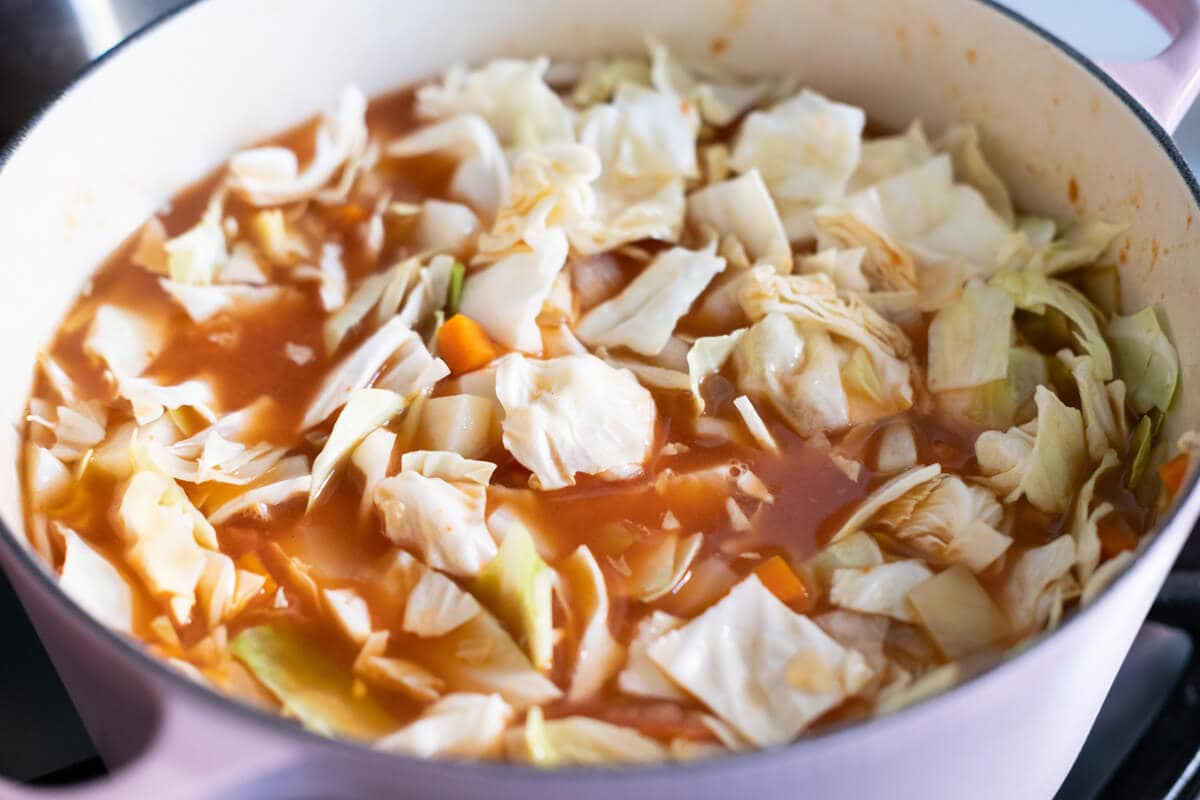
1145	744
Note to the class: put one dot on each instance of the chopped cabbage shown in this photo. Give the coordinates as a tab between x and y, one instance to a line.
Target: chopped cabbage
706	357
311	685
969	340
202	303
1042	460
806	148
574	414
365	411
886	156
1034	292
481	178
506	297
585	741
437	605
1103	406
598	655
435	507
958	613
445	228
1083	521
741	207
461	725
268	176
720	98
892	490
919	218
961	142
643	316
287	479
517	587
95	584
881	589
764	669
641	676
1082	243
1031	583
1145	360
373	459
509	94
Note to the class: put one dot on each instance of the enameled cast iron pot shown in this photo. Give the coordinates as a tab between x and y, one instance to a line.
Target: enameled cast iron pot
169	105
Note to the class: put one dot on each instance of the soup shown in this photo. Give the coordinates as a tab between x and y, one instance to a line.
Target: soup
602	413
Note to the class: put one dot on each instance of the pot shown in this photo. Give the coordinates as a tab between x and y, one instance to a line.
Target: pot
170	104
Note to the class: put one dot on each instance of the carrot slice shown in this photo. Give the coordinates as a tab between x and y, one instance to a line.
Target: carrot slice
464	345
783	582
1115	539
1173	472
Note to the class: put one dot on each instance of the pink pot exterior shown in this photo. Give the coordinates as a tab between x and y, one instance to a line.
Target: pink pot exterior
162	111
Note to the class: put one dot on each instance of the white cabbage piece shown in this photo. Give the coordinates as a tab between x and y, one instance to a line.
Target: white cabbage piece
707	356
435	507
969	340
755	424
437	605
720	98
462	423
268	176
395	674
598	656
646	141
365	411
583	741
1043	460
94	583
949	521
550	187
919	218
650	376
885	156
574	414
896	449
806	148
844	267
460	725
517	587
1084	519
1103	405
892	490
280	244
445	227
881	589
640	675
350	612
865	633
125	341
961	143
480	656
49	478
958	613
287	479
796	372
1027	593
76	428
644	315
481	178
1145	360
764	669
373	459
355	371
510	94
742	208
161	530
1104	575
202	303
1081	244
818	382
505	298
198	255
1034	292
850	552
598	78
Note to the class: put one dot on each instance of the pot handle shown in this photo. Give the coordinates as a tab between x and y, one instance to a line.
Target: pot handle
189	755
1167	84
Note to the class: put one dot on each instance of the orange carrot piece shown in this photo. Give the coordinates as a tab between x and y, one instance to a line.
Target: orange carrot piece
464	345
783	582
1173	472
1115	539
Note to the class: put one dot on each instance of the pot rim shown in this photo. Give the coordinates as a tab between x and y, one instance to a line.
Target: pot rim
132	651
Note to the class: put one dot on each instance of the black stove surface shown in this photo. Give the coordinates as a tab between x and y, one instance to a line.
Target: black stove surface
1145	744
